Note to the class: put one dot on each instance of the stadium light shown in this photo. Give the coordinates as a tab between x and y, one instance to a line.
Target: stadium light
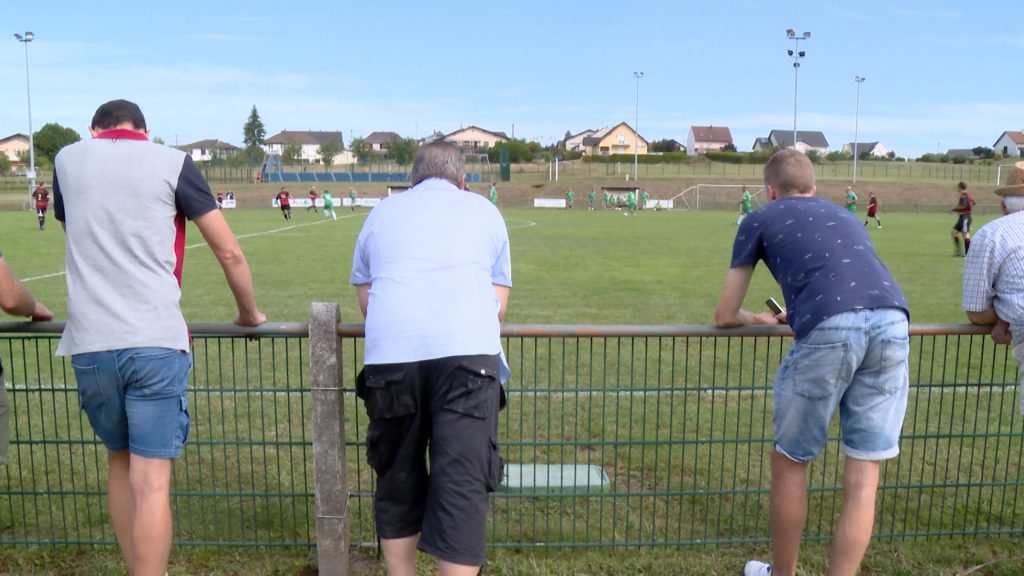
856	119
636	127
797	54
28	91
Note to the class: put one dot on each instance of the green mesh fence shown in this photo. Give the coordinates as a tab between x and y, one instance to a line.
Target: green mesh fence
614	436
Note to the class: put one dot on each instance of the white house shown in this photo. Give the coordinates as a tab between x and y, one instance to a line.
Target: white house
1010	143
473	138
206	150
703	138
309	142
806	140
13	144
574	143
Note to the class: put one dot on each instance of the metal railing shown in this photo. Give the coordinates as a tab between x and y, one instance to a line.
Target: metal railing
676	418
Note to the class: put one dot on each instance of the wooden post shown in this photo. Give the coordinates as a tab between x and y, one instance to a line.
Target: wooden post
325	379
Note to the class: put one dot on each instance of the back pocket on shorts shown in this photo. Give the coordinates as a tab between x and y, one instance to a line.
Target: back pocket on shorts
892	369
815	369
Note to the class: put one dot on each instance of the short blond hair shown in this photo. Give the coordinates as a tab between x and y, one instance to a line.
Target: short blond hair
790	172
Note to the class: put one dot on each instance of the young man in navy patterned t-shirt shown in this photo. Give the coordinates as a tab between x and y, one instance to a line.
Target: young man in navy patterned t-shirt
849	353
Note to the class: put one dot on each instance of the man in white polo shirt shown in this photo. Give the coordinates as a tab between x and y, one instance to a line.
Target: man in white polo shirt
432	271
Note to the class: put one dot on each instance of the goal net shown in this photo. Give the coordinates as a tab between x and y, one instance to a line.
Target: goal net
719	197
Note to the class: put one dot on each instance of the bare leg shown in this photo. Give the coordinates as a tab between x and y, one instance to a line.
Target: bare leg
152	530
120	502
400	555
448	569
788	512
853	534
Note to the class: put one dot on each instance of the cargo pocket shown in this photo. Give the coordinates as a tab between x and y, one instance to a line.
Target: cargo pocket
388	397
474	389
496	467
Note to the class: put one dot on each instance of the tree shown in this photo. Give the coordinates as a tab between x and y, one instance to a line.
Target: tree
291	153
518	151
51	138
5	164
730	147
404	150
253	133
158	140
327	151
663	145
358	147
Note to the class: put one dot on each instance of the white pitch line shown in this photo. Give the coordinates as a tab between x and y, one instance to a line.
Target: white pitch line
43	277
197	245
526	224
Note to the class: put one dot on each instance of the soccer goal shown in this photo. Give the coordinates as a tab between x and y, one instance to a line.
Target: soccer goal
479	164
718	197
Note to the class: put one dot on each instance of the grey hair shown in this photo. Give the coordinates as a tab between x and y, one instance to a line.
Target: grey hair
1013	204
438	160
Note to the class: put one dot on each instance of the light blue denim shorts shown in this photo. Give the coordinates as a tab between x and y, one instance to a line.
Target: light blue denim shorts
856	361
135	398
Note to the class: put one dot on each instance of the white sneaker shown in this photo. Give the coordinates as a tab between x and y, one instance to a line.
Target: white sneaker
756	568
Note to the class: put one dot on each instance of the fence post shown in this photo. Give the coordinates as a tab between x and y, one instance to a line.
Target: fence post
331	492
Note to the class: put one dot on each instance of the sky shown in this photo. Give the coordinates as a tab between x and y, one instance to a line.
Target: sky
939	74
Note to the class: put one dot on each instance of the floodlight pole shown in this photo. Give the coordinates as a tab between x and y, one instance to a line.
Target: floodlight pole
636	128
797	55
28	92
856	119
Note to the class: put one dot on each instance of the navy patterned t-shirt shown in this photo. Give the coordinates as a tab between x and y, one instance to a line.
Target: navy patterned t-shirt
822	258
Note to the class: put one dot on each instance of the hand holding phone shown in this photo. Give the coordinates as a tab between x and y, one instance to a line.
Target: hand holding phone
773	305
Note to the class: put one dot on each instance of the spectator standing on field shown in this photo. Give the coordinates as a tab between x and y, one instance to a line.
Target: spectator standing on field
16	301
873	210
849	352
851	200
432	270
352	199
42	198
284	201
123	202
493	194
569	197
993	280
962	228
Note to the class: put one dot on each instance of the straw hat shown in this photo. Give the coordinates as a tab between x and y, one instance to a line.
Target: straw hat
1014	183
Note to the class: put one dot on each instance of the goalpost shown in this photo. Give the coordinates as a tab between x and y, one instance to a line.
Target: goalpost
483	162
719	196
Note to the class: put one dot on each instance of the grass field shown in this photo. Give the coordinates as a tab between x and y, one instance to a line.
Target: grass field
568	267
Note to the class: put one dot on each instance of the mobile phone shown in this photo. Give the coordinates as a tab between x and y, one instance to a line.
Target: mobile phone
773	306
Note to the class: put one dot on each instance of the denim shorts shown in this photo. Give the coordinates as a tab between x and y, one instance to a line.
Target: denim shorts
135	398
856	361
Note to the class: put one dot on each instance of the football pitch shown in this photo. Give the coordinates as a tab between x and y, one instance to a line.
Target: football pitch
569	266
